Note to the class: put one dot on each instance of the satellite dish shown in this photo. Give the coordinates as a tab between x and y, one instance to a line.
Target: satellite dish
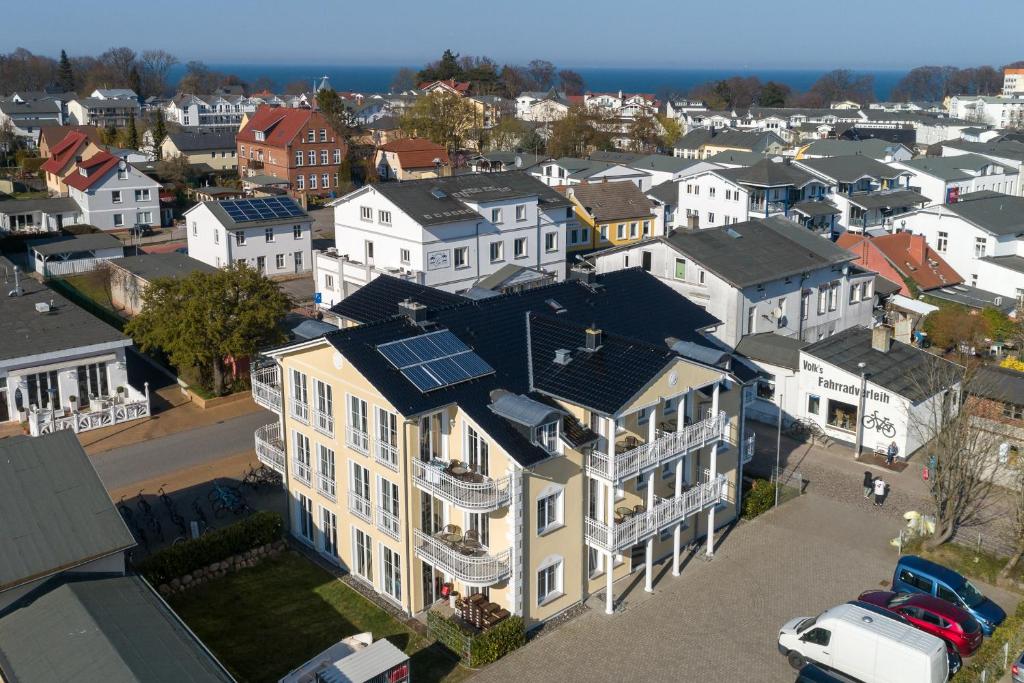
519	161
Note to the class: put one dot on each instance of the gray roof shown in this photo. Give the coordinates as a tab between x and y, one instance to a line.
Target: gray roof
195	142
624	158
759	250
737	139
772	348
69	244
999	214
170	264
520	160
264	179
366	664
872	147
767	173
47	205
580	169
436	201
736	157
884	286
1010	262
1004	149
27	332
888	199
523	409
998	384
100	629
850	169
666	192
41	106
815	208
973	297
57	514
953	168
510	274
663	163
611	201
903	370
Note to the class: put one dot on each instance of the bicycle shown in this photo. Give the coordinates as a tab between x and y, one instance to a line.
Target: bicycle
167	500
197	508
154	525
143	539
143	505
881	424
126	511
179	522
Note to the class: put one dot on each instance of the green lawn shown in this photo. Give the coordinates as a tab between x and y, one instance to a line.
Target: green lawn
263	622
94	286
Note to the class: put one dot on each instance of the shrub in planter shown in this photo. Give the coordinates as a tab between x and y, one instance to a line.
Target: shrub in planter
176	561
498	641
989	657
760	498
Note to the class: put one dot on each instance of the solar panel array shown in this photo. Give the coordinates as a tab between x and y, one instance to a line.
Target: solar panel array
264	209
435	360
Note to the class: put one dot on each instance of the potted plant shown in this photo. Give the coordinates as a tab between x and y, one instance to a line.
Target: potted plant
121	391
73	400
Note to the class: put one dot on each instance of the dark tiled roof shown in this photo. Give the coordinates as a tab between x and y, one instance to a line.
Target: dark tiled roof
772	348
68	244
998	384
97	629
759	250
666	192
207	140
960	167
628	303
903	370
888	199
973	297
379	299
56	513
1000	214
767	173
850	168
814	208
47	205
611	201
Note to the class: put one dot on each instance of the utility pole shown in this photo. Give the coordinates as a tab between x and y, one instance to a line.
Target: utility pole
778	450
860	411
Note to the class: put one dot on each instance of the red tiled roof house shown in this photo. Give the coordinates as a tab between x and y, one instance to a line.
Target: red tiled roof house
412	159
900	257
75	146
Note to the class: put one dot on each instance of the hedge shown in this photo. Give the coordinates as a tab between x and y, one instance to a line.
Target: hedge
477	649
170	563
989	657
760	498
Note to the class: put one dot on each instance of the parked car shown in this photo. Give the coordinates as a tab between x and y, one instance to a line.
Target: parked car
942	619
1017	669
915	574
812	673
866	642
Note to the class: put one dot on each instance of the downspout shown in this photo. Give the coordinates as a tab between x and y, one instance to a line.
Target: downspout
408	512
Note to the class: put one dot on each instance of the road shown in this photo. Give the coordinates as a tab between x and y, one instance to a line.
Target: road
120	467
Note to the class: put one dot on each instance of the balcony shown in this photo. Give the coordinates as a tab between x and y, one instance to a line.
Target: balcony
357	439
666	447
386	454
388	522
359	506
748	450
100	412
266	387
323	422
326	486
767	208
667	512
472	565
300	409
270	447
460	486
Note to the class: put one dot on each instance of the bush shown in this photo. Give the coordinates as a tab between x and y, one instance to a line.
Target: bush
989	657
170	563
477	649
759	499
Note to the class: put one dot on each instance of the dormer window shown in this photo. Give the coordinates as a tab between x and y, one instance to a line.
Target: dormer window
547	436
260	135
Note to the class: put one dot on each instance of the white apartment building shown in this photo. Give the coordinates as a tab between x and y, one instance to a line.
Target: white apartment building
105	107
210	112
112	194
1005	151
271	234
572	171
979	237
762	275
1013	81
1001	112
943	179
444	232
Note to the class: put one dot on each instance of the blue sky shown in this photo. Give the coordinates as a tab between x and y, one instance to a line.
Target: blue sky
872	34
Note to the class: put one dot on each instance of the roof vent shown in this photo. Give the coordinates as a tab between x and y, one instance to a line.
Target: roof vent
732	233
594	339
555	306
414	311
438	193
42	307
562	356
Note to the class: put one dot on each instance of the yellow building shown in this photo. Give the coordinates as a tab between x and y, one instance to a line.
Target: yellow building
611	214
507	447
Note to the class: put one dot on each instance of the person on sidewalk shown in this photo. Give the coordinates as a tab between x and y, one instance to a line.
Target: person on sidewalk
869	483
879	491
890	453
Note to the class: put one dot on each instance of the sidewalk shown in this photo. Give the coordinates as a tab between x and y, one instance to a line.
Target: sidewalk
178	418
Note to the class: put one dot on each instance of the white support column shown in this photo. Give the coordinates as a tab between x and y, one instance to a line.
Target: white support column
649	559
609	428
678	531
609	601
713	472
681	411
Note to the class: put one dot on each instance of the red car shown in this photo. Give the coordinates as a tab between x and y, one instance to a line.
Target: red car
933	615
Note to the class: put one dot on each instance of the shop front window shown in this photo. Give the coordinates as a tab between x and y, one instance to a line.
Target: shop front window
766	389
842	415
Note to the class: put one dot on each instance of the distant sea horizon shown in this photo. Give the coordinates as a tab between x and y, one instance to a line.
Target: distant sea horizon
367	78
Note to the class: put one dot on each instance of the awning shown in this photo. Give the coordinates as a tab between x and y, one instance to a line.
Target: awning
886	199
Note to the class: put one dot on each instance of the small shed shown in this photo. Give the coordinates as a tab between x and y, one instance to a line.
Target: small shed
73	254
131	275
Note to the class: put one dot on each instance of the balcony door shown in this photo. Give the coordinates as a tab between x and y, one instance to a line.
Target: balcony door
432	580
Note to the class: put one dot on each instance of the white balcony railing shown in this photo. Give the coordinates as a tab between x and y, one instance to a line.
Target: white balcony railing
359	506
386	454
748	450
388	522
266	387
472	492
327	486
666	513
357	439
476	568
302	470
665	447
109	411
323	422
300	409
270	447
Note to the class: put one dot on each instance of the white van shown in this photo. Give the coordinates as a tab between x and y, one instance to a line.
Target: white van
866	645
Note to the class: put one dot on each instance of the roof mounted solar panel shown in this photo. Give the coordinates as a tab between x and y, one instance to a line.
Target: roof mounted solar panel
435	360
261	209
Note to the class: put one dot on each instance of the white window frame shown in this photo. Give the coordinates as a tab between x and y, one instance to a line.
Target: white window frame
357	417
390	573
386	437
550	579
323	406
327	480
460	258
301	460
497	251
516	244
550	510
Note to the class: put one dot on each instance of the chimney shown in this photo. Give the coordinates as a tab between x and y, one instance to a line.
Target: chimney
415	312
581	274
562	356
78	160
918	249
881	338
594	339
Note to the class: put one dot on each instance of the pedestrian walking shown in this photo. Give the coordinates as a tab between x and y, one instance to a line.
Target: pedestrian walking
879	491
890	453
869	484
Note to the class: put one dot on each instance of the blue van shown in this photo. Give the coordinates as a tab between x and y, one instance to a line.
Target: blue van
917	575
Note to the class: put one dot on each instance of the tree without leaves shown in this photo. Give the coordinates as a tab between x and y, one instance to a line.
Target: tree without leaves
1016	472
580	132
542	72
65	75
176	169
198	79
442	117
515	80
118	63
840	85
571	82
154	67
296	87
204	319
263	84
774	94
643	134
404	79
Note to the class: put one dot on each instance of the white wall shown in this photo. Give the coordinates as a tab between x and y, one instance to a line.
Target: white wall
215	244
100	210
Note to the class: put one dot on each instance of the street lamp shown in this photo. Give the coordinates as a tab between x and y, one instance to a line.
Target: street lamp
860	411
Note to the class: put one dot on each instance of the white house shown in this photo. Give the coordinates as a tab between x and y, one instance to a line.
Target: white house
979	236
572	171
210	112
60	366
999	111
444	232
271	234
113	194
1007	151
764	275
38	215
943	179
105	107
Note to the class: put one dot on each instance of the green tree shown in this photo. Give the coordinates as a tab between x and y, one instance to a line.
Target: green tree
774	94
671	130
135	82
999	326
159	132
334	110
344	184
65	74
109	135
447	67
507	135
131	137
203	320
643	133
441	117
580	132
954	325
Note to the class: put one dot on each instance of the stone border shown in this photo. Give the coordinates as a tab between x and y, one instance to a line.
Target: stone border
249	558
216	401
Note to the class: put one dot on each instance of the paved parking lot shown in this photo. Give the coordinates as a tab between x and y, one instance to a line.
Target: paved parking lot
719	620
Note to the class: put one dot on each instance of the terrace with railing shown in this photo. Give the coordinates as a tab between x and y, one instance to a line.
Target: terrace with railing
270	447
459	485
472	564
